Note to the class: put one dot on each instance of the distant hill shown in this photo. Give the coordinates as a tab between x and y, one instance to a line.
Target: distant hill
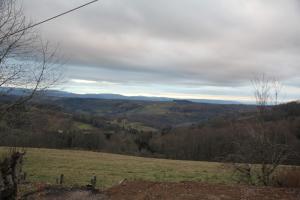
155	114
146	113
57	93
139	98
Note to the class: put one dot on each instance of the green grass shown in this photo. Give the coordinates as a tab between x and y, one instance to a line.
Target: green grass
141	127
134	125
78	167
83	126
156	109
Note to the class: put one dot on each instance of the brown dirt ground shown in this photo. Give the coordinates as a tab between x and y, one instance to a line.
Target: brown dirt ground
143	190
56	193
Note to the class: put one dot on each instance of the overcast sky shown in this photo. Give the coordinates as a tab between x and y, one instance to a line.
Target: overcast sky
188	49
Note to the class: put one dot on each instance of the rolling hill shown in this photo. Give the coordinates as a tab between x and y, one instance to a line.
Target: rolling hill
155	114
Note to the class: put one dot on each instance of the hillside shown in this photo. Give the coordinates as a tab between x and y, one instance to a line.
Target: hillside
180	130
155	114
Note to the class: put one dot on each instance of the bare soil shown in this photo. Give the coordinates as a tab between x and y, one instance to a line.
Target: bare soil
58	193
143	190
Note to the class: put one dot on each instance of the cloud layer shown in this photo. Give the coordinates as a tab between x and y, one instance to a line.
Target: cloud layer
209	42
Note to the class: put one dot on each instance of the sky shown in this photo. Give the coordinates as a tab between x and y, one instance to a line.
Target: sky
205	49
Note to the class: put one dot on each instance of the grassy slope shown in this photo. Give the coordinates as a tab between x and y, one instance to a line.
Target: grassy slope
134	125
45	165
83	126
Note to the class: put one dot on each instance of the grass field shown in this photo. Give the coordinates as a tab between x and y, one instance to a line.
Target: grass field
134	125
78	167
83	126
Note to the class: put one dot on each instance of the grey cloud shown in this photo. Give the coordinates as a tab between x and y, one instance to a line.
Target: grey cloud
214	42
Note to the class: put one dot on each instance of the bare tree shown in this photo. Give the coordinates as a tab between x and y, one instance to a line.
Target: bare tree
262	144
259	152
262	92
25	62
266	92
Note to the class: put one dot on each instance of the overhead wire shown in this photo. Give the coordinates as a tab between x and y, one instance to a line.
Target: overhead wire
51	18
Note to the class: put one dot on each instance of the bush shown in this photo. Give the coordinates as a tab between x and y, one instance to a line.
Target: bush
10	173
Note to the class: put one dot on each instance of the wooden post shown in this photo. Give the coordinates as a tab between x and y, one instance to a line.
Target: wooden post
24	176
94	181
61	181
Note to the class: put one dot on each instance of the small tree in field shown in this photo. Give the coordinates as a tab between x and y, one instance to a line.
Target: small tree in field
25	62
261	144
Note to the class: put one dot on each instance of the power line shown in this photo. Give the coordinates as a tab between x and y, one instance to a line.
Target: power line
52	18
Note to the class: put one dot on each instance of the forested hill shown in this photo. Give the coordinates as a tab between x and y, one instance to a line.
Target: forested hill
155	114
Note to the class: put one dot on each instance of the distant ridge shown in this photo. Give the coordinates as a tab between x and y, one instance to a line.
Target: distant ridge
62	94
56	93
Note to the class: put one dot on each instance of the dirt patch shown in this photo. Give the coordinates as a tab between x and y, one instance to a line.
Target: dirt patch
66	194
140	190
144	190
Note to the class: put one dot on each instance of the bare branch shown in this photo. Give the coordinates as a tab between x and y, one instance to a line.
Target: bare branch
25	61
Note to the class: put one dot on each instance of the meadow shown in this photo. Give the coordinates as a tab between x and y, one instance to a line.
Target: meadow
78	167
